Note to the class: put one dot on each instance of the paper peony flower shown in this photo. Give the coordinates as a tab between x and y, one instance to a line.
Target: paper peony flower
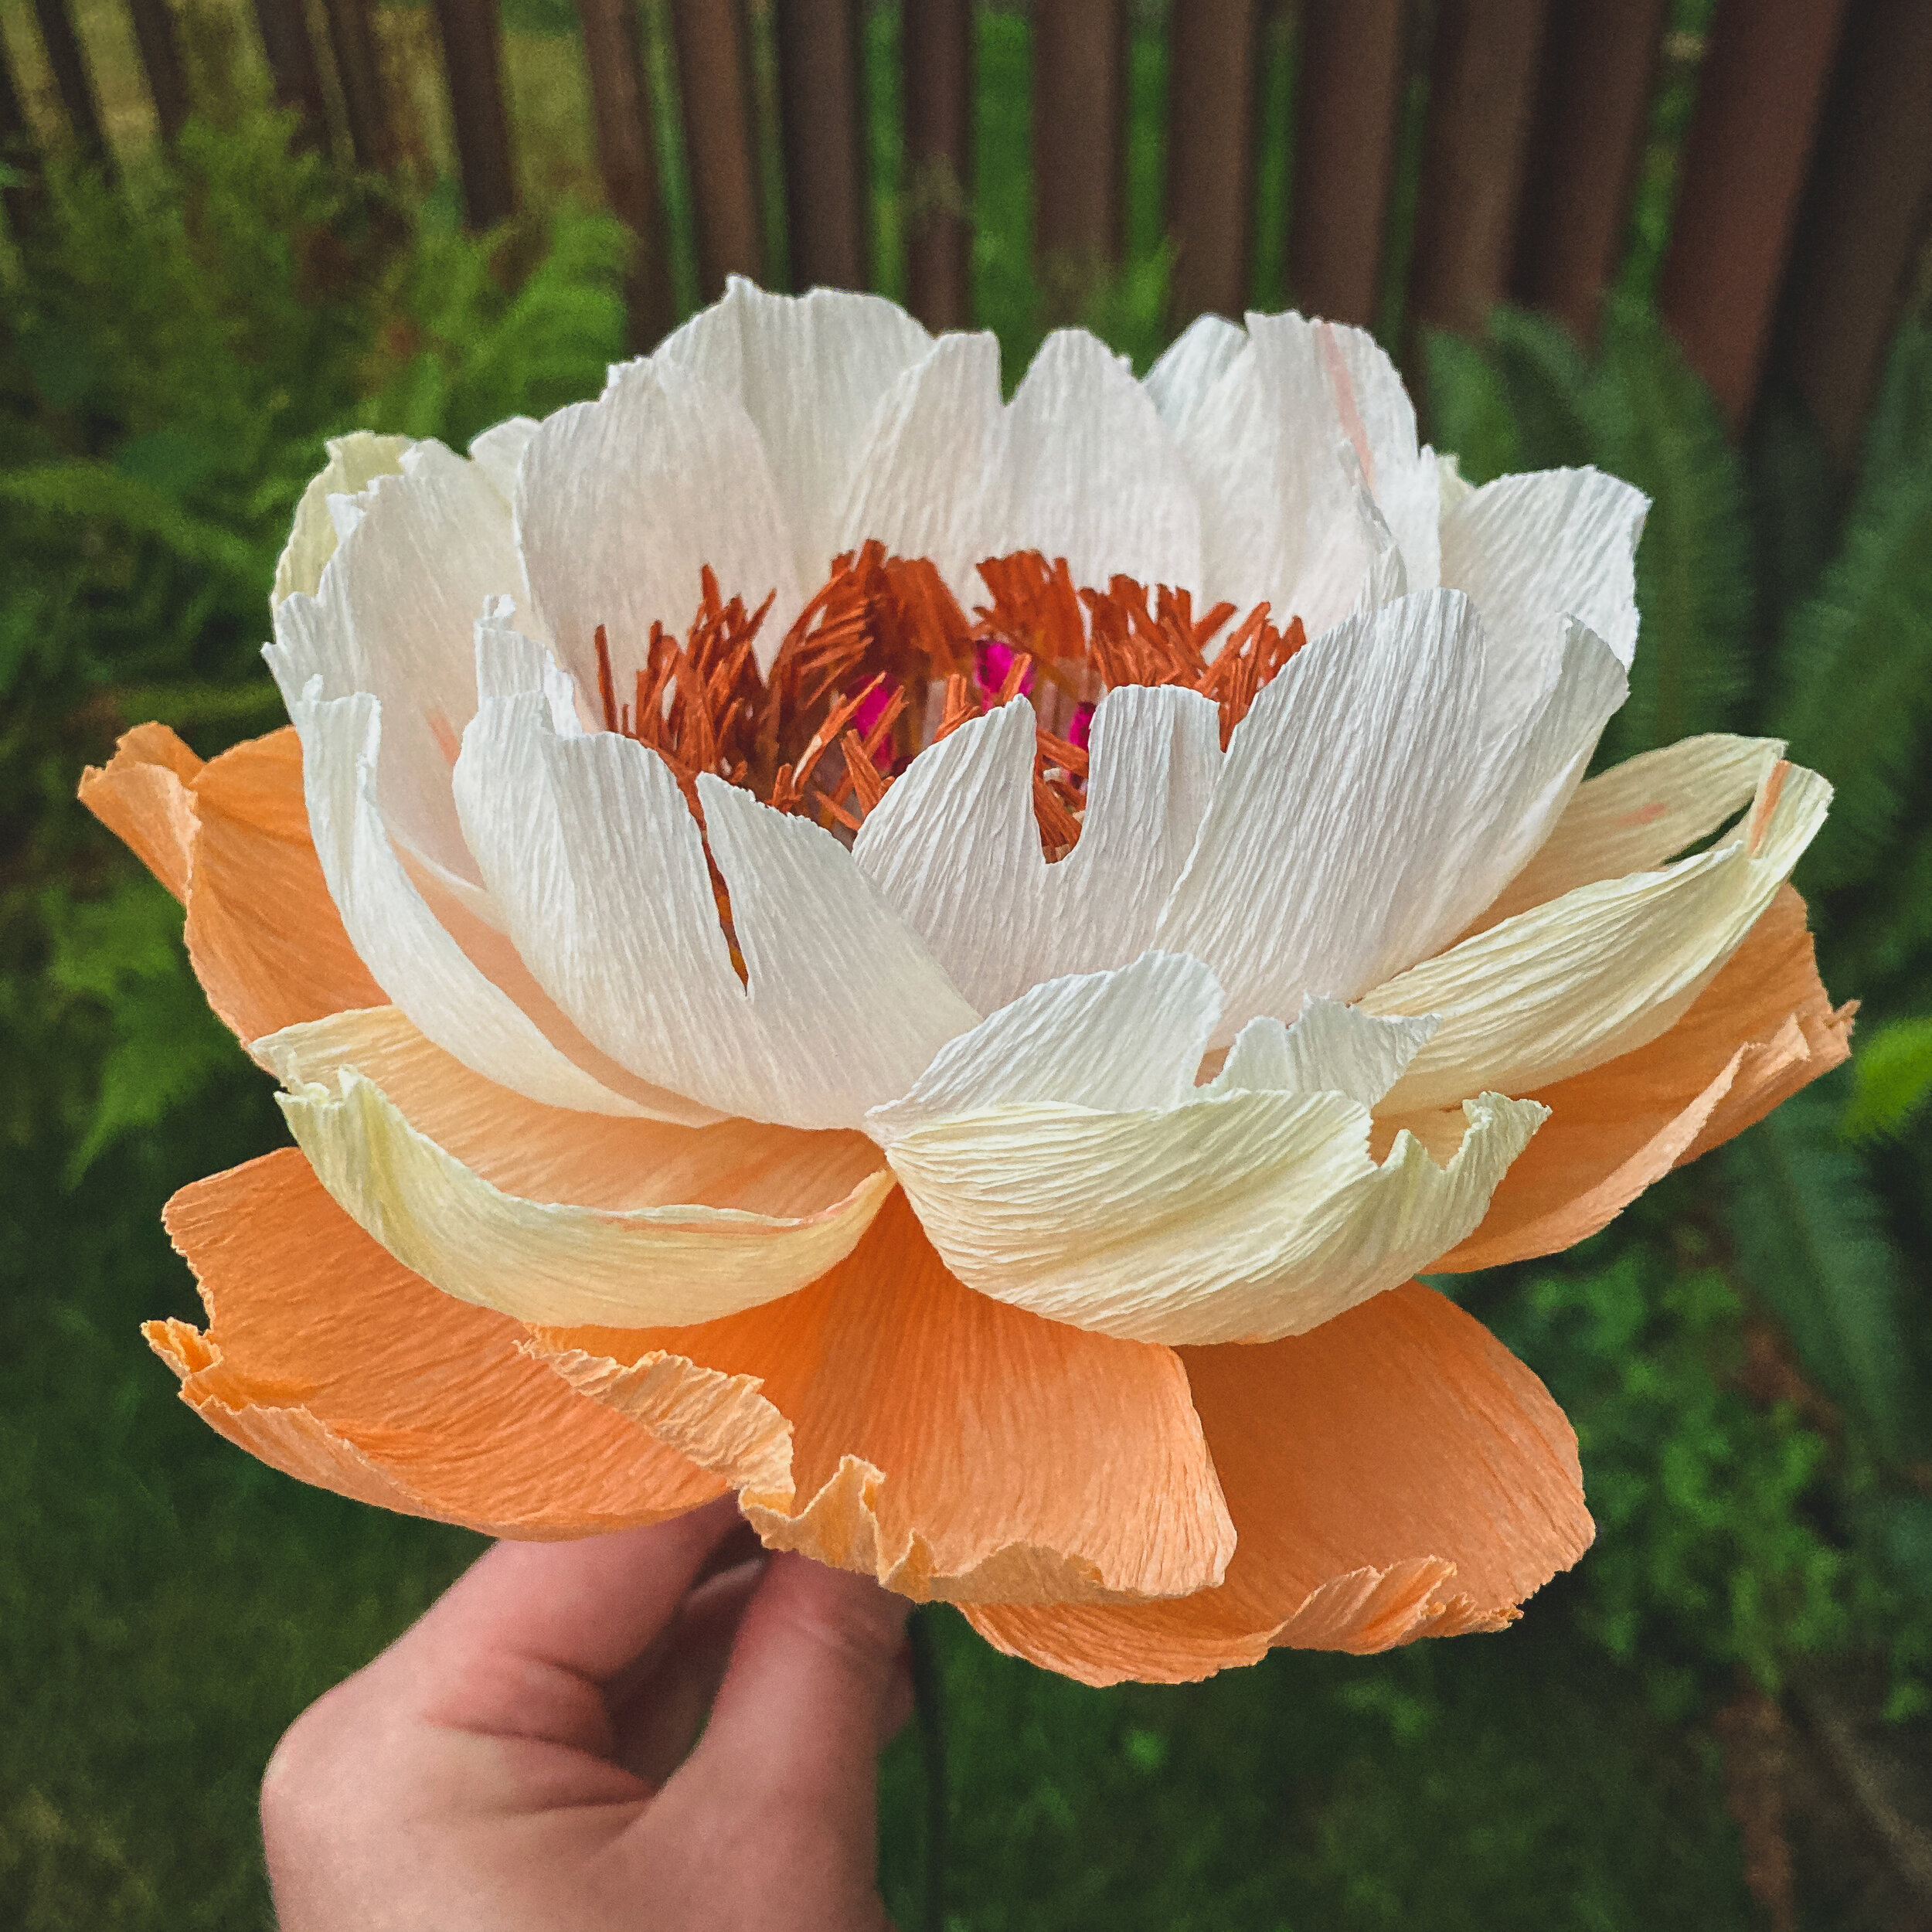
941	964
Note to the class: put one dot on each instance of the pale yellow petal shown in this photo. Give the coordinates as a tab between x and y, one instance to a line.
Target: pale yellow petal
355	462
1602	971
1640	814
1241	1216
634	1223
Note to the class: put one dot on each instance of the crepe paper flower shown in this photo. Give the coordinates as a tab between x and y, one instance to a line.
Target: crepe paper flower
941	963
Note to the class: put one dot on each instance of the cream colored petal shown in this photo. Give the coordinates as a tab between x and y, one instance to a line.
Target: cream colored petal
1242	1216
1533	548
955	849
566	1263
354	463
593	855
1331	1049
621	503
1379	420
1093	475
811	373
1284	515
1602	970
1640	815
1118	1041
927	481
395	615
498	452
411	953
1191	365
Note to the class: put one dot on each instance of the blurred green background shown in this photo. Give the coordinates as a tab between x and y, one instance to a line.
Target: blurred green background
1723	1718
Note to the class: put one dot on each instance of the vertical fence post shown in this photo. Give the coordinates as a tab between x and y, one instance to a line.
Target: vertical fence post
1865	217
69	65
626	156
1079	114
822	129
473	61
1597	76
160	47
1758	102
359	67
1213	71
291	62
714	82
1482	98
938	55
19	154
1349	102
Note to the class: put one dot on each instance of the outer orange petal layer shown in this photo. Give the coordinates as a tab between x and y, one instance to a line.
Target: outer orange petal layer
1395	1473
1762	1029
329	1360
231	838
888	1420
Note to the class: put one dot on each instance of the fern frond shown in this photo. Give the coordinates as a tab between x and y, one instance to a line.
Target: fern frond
1891	1080
1810	1238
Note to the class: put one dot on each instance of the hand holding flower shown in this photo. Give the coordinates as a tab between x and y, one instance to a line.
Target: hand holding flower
522	1757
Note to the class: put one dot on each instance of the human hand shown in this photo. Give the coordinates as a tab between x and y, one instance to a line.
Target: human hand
522	1759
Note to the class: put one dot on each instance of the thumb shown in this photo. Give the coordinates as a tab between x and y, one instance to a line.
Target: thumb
792	1746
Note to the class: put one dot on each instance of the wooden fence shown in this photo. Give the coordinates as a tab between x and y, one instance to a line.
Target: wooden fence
1804	180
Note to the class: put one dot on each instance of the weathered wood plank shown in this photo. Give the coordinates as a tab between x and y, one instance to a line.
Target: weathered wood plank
1865	218
292	65
714	83
1079	109
1213	72
1598	71
1758	102
160	48
937	53
71	78
1482	98
627	159
823	132
1349	100
19	152
473	65
359	70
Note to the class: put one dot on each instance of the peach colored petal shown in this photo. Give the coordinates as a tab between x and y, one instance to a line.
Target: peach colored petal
142	796
328	1360
1394	1473
888	1420
231	838
1762	1029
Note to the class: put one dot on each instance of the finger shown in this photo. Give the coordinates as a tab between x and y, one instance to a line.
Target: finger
524	1642
659	1719
796	1725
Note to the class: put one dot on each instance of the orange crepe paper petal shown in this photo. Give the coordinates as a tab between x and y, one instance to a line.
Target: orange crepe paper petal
330	1361
888	1420
1396	1473
231	838
1762	1029
142	795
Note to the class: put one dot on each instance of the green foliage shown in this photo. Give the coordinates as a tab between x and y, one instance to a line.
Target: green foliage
1704	1553
1892	1078
124	952
1855	662
1811	1238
